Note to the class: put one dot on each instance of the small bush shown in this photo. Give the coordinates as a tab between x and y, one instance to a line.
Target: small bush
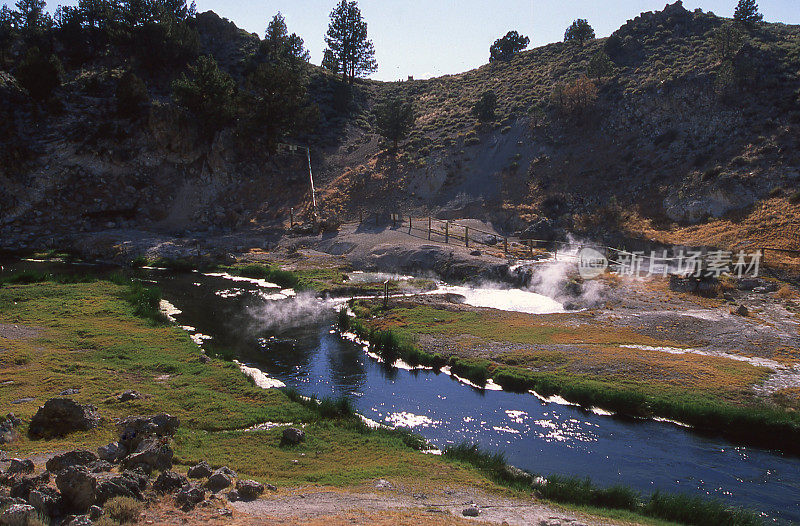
40	73
124	510
484	109
131	95
795	198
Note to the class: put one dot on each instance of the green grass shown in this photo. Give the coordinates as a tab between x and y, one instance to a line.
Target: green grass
758	424
304	279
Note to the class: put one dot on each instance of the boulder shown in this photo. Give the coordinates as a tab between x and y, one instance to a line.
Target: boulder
233	496
18	515
472	511
78	457
219	480
741	310
61	416
22	486
46	500
20	466
169	482
113	452
151	454
127	484
189	496
129	395
249	489
78	520
135	429
100	466
200	471
293	436
78	488
8	432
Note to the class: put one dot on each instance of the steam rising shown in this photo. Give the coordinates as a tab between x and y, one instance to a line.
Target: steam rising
301	309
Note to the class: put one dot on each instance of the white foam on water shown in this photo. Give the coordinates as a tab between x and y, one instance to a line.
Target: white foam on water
198	338
258	376
410	420
555	399
512	300
600	412
256	281
668	421
169	310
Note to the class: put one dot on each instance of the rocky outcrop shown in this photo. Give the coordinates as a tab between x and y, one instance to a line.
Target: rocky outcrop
78	457
200	471
249	489
61	416
78	488
293	436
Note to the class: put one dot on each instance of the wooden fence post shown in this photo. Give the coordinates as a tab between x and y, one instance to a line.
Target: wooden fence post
429	228
291	218
360	215
410	223
466	236
446	232
505	245
530	247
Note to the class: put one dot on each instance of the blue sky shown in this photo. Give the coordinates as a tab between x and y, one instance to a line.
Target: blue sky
428	38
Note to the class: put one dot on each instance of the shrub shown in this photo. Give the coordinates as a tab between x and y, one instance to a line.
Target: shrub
131	95
600	65
40	73
484	108
124	510
575	98
727	40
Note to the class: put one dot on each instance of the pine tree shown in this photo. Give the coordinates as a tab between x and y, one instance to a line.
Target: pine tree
279	45
395	119
485	107
31	16
207	92
579	32
508	46
348	43
747	12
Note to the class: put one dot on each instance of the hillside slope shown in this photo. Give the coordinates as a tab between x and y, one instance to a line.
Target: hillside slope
667	142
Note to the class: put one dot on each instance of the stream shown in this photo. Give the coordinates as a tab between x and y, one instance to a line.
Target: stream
293	339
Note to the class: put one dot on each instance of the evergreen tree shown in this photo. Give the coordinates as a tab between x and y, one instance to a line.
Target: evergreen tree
579	32
279	46
395	119
329	62
6	32
275	102
40	73
508	46
485	107
31	16
728	40
747	12
207	92
348	43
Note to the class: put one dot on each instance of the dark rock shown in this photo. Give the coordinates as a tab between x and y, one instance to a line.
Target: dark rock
233	495
129	395
271	487
7	432
113	452
543	230
20	466
200	471
249	489
46	500
95	512
22	486
219	480
204	358
100	466
150	454
476	253
78	457
189	496
18	515
471	512
77	520
169	482
69	392
61	416
135	429
293	436
741	310
126	484
78	488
